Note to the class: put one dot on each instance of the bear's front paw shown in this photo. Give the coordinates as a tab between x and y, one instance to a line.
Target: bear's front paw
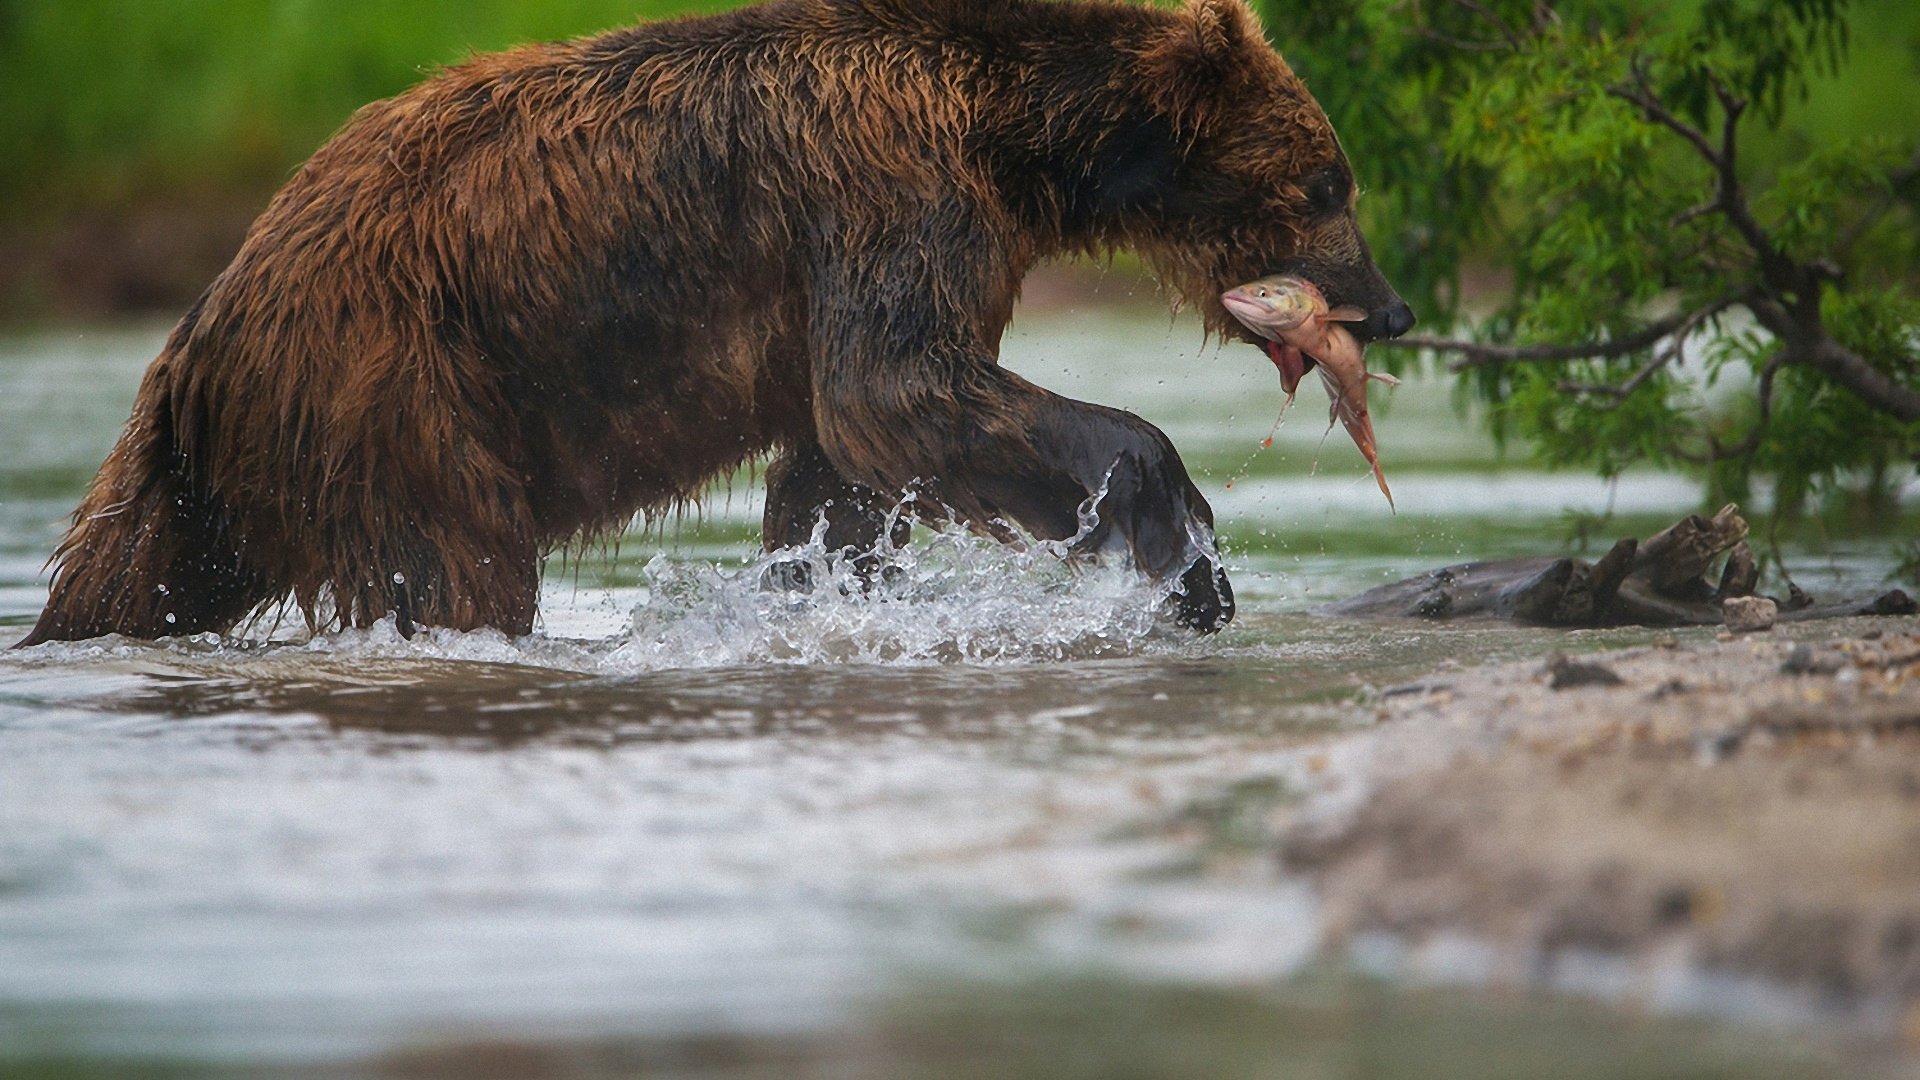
1203	598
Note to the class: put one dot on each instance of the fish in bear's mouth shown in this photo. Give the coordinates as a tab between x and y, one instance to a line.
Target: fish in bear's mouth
1289	318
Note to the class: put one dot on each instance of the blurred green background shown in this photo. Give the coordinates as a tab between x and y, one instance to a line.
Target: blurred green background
139	137
123	99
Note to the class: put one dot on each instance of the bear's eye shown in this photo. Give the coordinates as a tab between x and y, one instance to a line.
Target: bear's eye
1329	190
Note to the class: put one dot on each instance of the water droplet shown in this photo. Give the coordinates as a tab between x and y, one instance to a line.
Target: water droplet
170	619
399	578
163	589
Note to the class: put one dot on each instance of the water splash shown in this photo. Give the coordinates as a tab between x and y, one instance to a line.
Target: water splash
948	596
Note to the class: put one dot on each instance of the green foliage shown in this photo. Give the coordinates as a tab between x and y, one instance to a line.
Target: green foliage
1577	148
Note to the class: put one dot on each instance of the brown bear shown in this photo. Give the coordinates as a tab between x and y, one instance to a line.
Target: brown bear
549	288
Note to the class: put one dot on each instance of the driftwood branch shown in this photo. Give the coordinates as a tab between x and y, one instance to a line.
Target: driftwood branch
1664	580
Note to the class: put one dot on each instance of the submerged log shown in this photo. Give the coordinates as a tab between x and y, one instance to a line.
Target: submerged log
1662	581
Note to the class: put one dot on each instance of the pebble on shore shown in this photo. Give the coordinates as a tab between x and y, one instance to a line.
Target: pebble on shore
1745	614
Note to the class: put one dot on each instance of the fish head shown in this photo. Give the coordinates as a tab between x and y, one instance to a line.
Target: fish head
1274	305
1289	319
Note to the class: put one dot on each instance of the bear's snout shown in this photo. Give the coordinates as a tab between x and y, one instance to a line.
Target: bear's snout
1388	322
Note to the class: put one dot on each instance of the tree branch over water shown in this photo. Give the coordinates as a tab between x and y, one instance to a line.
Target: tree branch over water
1475	354
1904	175
1480	354
1785	296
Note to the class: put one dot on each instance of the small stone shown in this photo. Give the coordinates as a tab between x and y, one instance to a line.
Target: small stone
1570	673
1803	660
1670	688
1745	614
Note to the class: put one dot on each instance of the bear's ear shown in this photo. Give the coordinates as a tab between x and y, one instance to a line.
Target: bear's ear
1191	62
1221	26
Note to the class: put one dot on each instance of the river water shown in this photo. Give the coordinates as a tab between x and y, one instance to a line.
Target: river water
686	808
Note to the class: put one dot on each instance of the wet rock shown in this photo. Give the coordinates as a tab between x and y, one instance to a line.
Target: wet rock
1746	614
1567	674
1892	602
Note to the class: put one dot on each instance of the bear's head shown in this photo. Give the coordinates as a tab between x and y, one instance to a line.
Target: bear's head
1259	183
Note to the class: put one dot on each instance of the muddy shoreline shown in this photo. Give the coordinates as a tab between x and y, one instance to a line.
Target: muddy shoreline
1745	807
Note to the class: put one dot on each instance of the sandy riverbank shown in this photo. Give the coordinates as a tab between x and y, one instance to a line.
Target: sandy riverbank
1747	808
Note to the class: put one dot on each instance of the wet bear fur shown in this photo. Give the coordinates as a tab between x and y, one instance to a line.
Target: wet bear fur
550	288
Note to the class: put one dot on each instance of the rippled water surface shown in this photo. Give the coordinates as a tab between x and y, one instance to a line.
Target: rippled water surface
689	806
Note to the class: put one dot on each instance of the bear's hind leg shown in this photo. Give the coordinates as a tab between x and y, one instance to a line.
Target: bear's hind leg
802	487
148	555
451	573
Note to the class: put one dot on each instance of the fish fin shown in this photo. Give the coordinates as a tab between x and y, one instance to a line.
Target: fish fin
1345	313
